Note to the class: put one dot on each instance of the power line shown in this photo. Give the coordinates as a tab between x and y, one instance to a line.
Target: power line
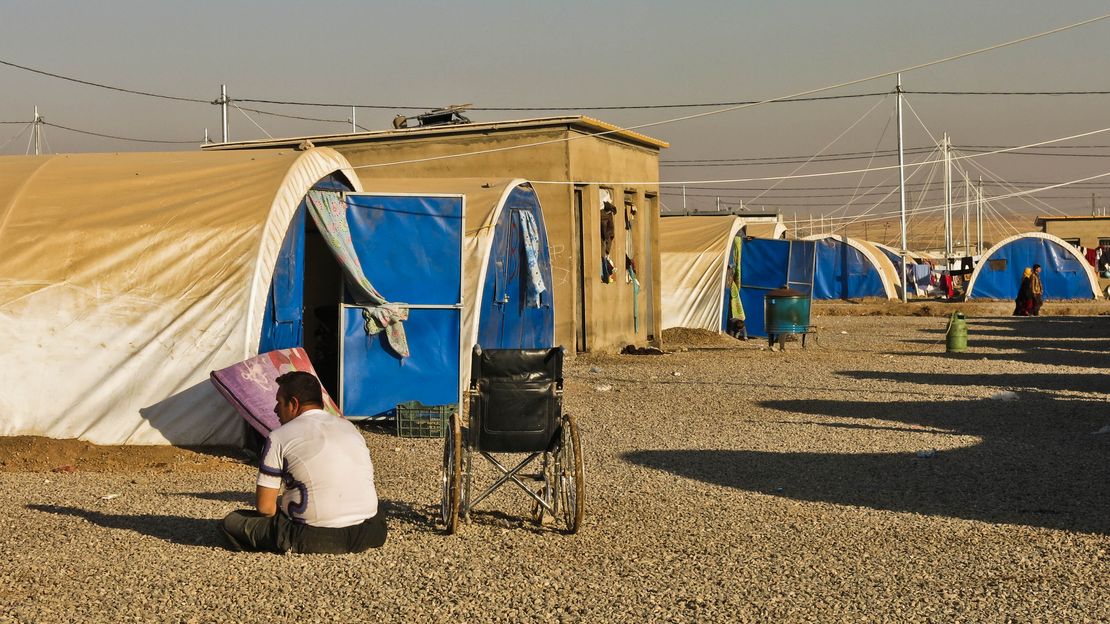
104	86
118	138
567	108
862	155
1008	92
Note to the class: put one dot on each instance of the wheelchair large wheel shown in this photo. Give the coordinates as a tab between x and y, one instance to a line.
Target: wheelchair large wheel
451	477
570	477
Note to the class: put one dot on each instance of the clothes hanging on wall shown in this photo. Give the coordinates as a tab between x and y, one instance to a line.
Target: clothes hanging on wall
530	234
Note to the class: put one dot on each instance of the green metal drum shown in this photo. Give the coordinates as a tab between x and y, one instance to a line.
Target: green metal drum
786	311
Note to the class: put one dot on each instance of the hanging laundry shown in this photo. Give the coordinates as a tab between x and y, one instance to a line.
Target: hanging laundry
530	234
606	270
329	211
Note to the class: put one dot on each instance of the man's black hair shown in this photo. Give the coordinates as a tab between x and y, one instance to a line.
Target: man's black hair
301	386
1036	266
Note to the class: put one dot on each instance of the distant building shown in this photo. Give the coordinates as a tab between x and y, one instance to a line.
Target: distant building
579	165
1084	231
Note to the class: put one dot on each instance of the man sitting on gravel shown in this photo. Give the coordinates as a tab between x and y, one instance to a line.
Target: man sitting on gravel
329	504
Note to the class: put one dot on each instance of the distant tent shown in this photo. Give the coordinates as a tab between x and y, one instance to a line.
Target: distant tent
1064	272
851	269
916	266
697	253
694	254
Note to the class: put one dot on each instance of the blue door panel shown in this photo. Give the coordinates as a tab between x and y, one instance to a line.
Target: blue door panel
505	321
282	322
410	249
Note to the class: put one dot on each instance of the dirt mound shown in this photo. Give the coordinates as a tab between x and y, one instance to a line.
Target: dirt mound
681	336
38	454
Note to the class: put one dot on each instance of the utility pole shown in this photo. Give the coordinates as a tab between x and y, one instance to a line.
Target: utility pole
37	131
718	203
354	126
901	189
967	221
979	218
947	203
223	109
683	199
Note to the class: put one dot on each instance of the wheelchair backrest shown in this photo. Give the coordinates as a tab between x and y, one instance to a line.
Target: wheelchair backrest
516	399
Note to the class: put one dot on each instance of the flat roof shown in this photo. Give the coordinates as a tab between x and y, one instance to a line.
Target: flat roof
1042	219
587	124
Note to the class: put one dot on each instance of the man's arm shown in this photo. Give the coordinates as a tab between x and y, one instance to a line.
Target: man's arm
265	500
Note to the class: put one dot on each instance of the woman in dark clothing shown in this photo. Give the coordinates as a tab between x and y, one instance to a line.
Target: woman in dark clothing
1036	291
1025	294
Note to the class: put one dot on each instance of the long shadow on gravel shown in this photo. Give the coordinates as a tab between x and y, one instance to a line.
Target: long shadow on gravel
229	496
1040	327
1058	341
175	529
1039	463
1030	355
1075	382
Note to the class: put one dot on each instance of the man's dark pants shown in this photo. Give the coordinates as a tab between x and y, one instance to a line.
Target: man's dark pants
247	529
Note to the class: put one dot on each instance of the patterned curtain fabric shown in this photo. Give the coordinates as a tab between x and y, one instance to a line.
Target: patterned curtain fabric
530	234
736	307
329	211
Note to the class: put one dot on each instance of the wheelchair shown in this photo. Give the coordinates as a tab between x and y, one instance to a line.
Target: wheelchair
515	406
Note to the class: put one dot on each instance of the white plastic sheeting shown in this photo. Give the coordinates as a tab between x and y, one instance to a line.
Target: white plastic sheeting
694	253
127	278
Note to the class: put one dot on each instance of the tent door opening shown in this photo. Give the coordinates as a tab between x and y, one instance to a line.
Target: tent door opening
323	289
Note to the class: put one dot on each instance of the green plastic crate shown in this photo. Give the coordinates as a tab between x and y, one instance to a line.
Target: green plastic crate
416	420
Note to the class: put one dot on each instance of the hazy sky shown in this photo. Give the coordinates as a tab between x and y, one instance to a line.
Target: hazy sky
577	54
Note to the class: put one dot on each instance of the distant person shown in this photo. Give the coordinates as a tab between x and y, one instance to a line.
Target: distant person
1024	299
329	504
1036	290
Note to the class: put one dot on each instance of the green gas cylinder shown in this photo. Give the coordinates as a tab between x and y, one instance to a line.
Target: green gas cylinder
956	335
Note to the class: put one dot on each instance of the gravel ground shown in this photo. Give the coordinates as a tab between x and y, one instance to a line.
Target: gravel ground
870	477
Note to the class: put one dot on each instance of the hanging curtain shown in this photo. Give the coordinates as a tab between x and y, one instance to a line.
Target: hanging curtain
630	265
736	307
329	211
530	234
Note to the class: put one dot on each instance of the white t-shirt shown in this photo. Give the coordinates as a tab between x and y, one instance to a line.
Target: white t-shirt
325	466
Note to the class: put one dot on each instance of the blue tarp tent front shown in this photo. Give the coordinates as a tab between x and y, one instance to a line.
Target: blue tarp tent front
851	269
461	255
1064	272
768	264
496	285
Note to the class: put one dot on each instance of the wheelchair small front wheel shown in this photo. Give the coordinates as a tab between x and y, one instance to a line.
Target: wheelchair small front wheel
451	475
571	485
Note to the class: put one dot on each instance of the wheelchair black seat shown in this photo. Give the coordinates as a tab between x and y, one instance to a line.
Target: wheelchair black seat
515	399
